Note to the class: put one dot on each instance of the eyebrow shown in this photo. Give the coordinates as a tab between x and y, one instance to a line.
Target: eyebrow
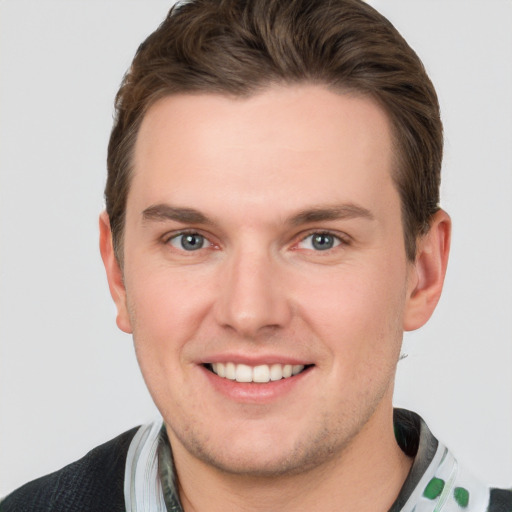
324	213
162	212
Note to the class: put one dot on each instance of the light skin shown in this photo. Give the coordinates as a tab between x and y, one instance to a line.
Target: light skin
267	231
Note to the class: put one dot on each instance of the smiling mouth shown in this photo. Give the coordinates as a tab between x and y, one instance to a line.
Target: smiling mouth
260	374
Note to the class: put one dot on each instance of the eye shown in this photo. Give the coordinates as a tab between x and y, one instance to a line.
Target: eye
189	241
319	242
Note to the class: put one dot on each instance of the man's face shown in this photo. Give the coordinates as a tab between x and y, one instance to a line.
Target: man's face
264	236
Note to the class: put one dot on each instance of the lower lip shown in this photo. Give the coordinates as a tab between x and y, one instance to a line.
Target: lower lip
255	392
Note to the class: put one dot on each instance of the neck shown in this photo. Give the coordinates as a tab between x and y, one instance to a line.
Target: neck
366	475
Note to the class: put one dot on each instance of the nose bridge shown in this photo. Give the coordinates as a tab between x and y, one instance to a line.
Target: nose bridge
251	295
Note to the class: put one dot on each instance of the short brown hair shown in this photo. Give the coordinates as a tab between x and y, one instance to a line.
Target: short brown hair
239	47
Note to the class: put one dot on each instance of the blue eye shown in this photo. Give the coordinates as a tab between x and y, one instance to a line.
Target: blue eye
188	241
320	242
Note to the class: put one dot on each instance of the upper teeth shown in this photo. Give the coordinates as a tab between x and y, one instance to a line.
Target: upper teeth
261	373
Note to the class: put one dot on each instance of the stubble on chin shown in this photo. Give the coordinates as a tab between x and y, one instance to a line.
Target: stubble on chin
318	450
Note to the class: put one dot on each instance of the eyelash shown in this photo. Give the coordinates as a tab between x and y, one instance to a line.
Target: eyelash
339	240
168	239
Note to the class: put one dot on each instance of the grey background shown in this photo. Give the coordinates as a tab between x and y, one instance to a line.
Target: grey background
68	377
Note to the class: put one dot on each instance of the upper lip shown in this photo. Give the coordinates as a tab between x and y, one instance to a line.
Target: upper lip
255	360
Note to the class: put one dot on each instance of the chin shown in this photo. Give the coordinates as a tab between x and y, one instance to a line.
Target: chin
258	465
266	456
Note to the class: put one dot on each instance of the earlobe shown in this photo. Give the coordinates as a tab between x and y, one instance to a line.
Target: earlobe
427	275
114	274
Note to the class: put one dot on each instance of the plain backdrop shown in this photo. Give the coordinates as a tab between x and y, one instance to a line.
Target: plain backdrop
68	377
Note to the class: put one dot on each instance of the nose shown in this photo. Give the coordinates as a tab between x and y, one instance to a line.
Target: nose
252	296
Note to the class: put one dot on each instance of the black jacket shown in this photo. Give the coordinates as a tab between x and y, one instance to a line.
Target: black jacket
94	483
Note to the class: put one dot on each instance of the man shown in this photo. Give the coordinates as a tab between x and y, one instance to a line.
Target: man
272	228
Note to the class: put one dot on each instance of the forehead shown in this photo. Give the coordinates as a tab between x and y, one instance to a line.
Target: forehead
301	143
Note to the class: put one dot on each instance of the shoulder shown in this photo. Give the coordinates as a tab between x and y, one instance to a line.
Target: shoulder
500	500
93	483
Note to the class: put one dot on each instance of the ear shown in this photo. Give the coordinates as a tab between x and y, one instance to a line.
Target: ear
426	276
114	274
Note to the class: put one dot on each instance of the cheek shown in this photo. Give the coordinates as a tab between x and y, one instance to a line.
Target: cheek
165	315
165	306
358	310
